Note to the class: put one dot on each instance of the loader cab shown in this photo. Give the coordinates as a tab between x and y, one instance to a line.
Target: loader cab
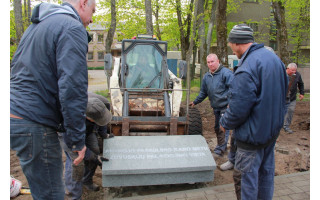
144	64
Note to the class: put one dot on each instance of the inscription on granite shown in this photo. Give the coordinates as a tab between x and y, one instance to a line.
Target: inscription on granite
153	160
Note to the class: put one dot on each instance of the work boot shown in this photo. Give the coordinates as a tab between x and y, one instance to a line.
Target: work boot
288	130
226	166
92	187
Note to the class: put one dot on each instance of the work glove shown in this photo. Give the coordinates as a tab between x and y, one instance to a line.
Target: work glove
99	159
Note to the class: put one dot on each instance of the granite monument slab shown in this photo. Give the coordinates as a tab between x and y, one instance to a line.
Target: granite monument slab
156	160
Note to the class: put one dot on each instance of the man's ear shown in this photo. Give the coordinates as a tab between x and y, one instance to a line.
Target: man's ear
83	3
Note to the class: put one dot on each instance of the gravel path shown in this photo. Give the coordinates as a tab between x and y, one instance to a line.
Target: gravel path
97	80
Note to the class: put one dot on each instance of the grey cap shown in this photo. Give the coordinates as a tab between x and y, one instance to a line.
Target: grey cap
98	112
101	98
241	34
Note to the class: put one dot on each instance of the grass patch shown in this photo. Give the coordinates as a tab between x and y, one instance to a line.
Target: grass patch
104	93
194	89
96	68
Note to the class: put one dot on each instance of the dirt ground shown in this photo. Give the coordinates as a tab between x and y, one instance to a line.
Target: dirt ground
292	155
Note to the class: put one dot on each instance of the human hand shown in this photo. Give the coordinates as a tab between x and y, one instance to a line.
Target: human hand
80	155
191	104
222	129
301	97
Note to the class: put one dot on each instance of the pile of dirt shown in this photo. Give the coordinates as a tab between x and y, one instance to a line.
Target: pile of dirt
292	154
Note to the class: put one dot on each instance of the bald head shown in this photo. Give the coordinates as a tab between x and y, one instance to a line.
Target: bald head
85	9
213	62
77	1
292	66
212	55
291	69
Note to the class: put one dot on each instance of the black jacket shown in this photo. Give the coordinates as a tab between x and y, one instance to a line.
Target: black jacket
298	83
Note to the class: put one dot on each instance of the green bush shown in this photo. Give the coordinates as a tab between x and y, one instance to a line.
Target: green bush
96	68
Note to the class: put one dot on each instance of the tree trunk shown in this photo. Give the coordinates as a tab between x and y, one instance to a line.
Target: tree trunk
282	35
222	52
193	66
194	33
202	37
18	19
184	36
156	14
149	24
112	29
211	25
25	12
29	12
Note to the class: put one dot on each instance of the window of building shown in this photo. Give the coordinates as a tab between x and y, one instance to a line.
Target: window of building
100	55
100	38
91	35
254	26
273	45
90	56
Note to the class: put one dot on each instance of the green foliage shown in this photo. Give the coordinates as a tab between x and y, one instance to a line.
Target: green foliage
96	68
194	89
298	16
233	6
104	93
13	45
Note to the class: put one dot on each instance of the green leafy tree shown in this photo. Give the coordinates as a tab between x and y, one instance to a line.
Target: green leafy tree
298	16
112	28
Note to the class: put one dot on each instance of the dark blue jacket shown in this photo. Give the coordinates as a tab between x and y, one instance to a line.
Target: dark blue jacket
49	77
216	87
257	98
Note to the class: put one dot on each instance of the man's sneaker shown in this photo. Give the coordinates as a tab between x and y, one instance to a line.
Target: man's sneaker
92	187
288	130
226	166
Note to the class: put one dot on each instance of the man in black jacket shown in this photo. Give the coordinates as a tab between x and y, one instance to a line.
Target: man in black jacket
295	81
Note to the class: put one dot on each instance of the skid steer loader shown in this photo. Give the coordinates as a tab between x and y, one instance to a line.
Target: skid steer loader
145	94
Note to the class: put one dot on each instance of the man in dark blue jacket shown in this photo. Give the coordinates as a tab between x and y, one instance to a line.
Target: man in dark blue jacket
256	112
215	85
48	93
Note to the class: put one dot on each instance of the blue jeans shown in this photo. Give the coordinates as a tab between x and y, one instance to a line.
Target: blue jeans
257	172
40	158
222	139
289	114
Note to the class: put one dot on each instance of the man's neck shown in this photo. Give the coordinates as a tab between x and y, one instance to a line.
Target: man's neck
244	48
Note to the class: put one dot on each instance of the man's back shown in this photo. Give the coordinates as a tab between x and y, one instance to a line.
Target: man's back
258	98
46	54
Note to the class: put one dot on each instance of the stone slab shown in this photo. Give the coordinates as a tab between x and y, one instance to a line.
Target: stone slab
156	160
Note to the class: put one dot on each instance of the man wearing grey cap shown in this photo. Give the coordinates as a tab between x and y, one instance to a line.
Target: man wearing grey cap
256	112
97	114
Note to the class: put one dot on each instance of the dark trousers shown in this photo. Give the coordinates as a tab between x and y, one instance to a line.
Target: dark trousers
222	138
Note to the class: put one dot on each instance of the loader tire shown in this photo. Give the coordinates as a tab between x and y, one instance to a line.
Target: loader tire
195	122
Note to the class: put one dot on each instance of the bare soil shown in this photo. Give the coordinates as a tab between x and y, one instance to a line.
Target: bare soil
292	154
